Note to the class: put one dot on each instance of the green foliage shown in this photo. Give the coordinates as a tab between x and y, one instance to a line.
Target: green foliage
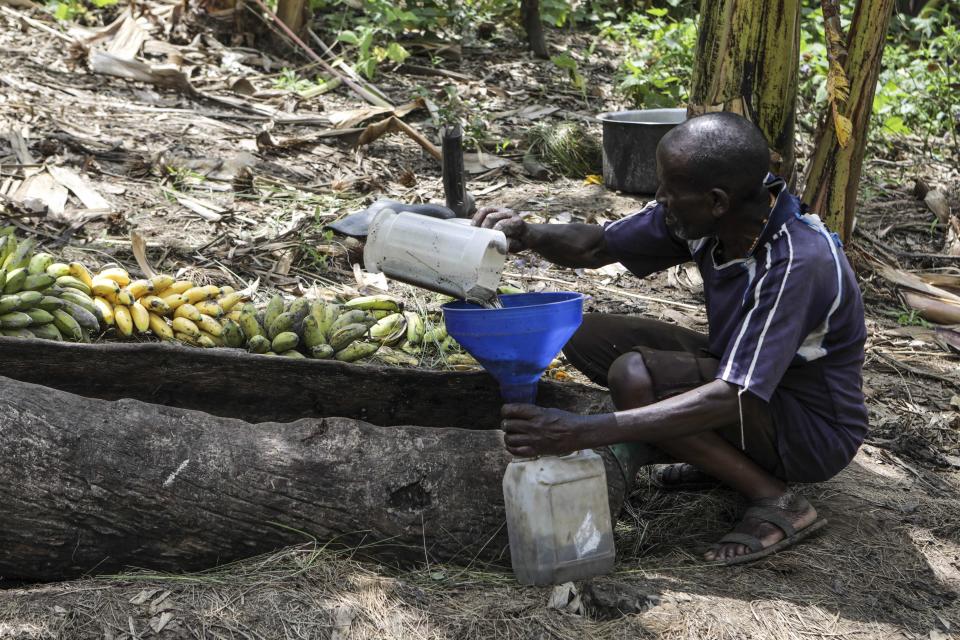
69	10
659	61
567	63
917	85
911	318
289	80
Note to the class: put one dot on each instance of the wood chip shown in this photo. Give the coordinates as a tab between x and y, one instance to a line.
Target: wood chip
86	194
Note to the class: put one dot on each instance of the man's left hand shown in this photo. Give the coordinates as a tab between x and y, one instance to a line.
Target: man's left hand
531	431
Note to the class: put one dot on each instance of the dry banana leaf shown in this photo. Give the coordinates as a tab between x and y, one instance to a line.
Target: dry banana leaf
948	281
915	282
392	124
933	309
948	338
139	248
937	202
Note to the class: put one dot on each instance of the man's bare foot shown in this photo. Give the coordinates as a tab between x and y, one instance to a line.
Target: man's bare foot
682	476
792	508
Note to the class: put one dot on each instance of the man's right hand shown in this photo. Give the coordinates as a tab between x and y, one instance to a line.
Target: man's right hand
506	220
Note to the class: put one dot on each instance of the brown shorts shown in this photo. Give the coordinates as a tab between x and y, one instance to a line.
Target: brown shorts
678	361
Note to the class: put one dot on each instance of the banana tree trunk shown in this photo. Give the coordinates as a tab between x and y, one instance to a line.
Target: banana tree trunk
293	13
833	173
748	63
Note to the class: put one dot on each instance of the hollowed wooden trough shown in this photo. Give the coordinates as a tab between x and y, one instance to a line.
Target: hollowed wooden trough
173	458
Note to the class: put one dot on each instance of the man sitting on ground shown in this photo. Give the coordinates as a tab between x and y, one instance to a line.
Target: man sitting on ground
772	395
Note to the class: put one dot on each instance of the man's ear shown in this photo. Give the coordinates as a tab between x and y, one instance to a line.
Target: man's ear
721	202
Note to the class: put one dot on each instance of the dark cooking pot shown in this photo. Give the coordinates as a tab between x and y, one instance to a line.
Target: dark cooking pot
630	147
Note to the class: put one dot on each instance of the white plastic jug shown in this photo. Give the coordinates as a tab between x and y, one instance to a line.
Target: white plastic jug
558	518
447	256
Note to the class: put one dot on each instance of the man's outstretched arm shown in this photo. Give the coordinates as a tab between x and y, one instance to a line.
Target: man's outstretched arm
532	430
567	245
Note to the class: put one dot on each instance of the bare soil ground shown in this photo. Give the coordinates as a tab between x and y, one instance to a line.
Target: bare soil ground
888	566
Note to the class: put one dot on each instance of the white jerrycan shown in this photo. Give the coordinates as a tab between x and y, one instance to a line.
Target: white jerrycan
558	518
447	256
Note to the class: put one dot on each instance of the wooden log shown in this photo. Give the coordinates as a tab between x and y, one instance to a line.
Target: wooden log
235	384
91	486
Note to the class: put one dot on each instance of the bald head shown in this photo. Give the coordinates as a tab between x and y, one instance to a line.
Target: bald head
718	151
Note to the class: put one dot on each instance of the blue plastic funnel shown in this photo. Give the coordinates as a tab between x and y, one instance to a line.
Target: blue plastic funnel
516	343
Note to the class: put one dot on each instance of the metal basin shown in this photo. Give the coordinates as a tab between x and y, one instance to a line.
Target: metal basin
630	141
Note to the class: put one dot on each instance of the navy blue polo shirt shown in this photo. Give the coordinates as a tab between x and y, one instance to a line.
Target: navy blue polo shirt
786	323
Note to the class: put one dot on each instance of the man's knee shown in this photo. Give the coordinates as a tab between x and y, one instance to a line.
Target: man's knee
630	382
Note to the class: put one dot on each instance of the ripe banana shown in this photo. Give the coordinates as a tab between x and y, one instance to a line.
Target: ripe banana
103	287
197	294
81	273
105	309
187	311
124	297
175	301
210	308
188	327
155	304
208	324
140	288
161	283
208	341
123	320
229	301
117	274
140	317
160	328
178	287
